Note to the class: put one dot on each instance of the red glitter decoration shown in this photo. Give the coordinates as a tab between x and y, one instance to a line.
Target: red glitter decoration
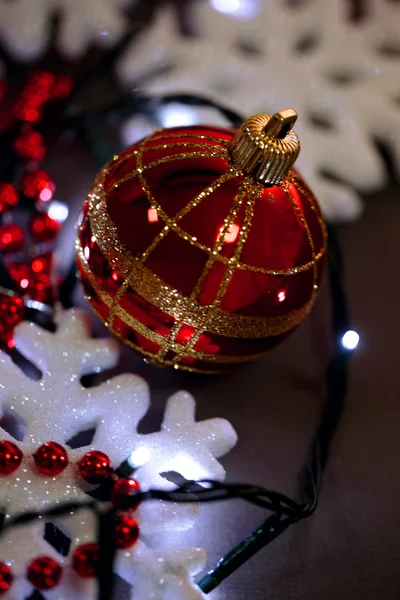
95	467
43	229
44	573
6	578
38	184
8	197
123	488
85	558
126	531
29	146
51	459
12	312
10	457
12	238
192	303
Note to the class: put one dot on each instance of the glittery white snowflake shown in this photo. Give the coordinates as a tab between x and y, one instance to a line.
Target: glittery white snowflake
56	408
258	56
25	25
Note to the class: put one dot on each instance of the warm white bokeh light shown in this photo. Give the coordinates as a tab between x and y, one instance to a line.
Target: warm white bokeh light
350	340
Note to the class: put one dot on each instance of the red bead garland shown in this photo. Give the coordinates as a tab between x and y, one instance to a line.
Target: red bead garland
42	228
12	238
95	467
123	488
10	457
8	197
85	558
6	578
44	573
51	459
12	312
29	146
38	184
126	531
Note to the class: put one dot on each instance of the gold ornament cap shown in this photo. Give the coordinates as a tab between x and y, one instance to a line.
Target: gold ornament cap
266	147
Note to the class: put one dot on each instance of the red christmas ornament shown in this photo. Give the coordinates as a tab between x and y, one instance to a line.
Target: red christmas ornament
12	238
29	146
38	184
8	197
126	531
10	457
43	229
44	573
85	558
95	467
124	488
200	247
51	459
6	578
12	312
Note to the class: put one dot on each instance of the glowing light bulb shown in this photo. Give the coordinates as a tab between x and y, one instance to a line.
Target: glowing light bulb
139	457
57	211
350	340
240	9
174	115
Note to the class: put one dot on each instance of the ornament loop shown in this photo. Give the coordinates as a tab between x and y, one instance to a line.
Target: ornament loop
266	147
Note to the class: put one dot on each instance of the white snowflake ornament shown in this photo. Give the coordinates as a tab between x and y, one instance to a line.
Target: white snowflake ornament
264	56
56	407
25	25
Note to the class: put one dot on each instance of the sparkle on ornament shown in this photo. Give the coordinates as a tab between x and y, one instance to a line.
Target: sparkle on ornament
281	296
350	340
152	215
231	233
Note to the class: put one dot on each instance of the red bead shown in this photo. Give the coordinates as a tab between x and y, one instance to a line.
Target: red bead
34	279
10	457
8	197
44	573
38	184
235	291
12	312
125	488
6	578
26	109
51	459
39	87
29	146
95	466
12	238
126	531
85	559
42	228
62	87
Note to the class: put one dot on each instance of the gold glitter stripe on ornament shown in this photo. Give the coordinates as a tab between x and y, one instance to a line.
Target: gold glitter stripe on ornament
283	185
108	224
166	136
136	325
236	204
294	178
253	191
157	292
217	153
